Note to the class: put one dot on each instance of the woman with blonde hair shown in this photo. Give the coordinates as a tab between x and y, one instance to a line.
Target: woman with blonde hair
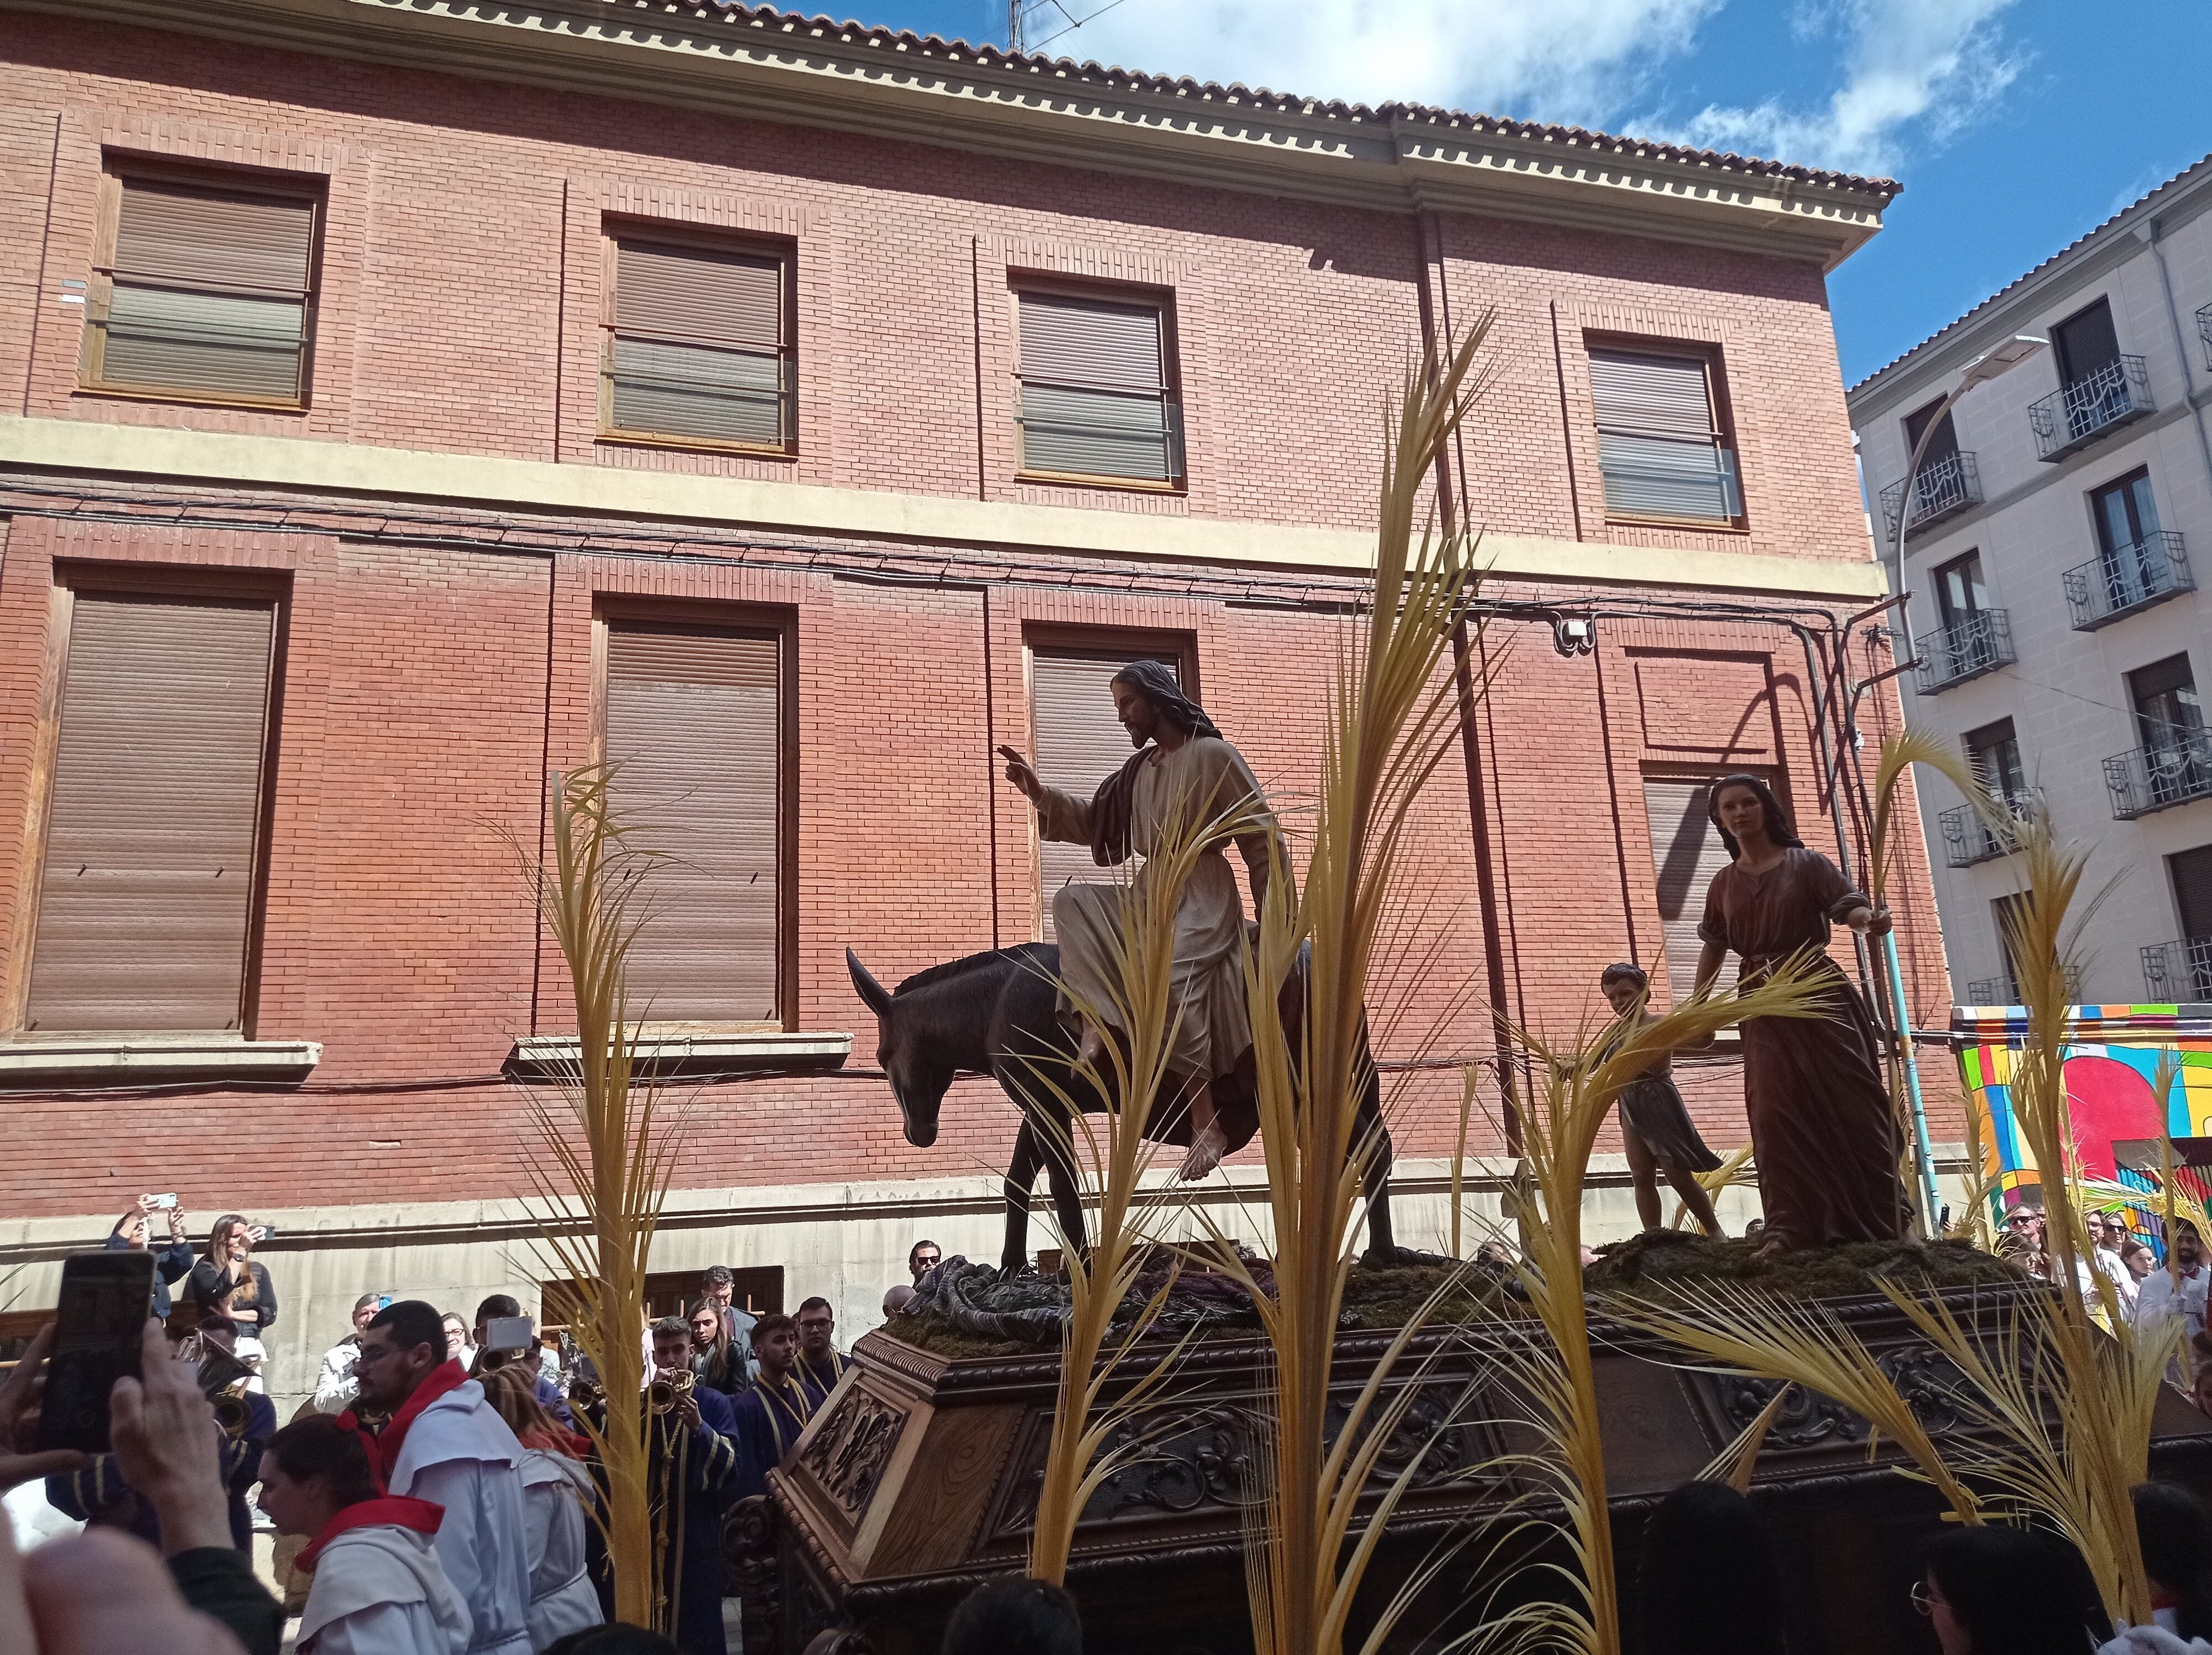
556	1493
228	1284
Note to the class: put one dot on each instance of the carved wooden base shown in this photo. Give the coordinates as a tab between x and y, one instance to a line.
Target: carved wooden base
918	1480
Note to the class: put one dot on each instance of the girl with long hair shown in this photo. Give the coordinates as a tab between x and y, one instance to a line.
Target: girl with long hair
2001	1590
377	1581
1823	1130
1710	1584
557	1495
716	1361
229	1284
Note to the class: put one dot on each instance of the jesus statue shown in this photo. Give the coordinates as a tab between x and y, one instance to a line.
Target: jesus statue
1183	773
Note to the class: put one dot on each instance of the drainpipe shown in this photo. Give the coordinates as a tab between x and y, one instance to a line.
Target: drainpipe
2151	235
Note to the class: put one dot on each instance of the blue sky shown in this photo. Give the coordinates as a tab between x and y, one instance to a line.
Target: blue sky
2014	124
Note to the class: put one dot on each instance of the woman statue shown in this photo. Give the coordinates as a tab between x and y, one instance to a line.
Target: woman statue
1823	1132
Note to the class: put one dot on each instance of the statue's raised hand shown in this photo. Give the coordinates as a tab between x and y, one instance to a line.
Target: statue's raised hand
1021	773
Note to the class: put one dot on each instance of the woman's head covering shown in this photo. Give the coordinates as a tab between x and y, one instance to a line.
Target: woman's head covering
1160	688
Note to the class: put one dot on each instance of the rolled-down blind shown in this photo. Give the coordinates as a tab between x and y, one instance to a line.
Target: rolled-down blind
1685	853
691	728
147	894
1658	450
1079	743
1095	395
210	290
699	345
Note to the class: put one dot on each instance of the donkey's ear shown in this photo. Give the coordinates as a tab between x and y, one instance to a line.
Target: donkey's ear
876	996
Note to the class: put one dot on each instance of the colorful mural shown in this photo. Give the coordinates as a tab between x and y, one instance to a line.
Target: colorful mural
2111	1062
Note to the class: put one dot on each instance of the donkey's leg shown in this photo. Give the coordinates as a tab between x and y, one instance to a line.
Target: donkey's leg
1021	1178
1372	1141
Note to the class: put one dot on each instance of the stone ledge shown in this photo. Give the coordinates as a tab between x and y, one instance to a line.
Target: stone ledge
549	1055
96	1057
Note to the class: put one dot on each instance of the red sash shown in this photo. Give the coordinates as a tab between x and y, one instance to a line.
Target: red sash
383	1447
399	1510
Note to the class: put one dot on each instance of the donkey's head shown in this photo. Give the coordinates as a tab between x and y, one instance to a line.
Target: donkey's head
909	1052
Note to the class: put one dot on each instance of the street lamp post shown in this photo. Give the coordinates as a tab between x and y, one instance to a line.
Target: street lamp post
1987	366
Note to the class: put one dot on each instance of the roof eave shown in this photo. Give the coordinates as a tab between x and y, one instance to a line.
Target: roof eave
739	66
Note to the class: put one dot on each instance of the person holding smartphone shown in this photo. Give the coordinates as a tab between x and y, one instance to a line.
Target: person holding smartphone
228	1284
173	1259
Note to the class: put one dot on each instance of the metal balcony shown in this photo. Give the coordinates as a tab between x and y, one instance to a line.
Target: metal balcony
2100	402
1941	489
2102	590
1992	991
1969	838
1980	643
2204	333
2155	778
2180	971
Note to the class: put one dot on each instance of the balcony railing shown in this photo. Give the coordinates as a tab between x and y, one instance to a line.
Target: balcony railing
2204	333
2179	970
1969	838
1992	991
1941	489
2102	400
2129	578
1980	643
2153	778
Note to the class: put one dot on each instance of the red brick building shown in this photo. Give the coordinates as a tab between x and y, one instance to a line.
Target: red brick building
400	405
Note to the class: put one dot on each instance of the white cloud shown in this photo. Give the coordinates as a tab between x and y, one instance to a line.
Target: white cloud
1928	68
1558	60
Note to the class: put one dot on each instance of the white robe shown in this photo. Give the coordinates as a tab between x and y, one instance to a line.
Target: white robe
1203	780
554	1492
461	1454
379	1590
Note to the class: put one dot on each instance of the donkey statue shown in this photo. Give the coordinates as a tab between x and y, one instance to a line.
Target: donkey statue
994	1014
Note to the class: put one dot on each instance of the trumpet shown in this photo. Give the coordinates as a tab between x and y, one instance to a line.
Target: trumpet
664	1394
231	1412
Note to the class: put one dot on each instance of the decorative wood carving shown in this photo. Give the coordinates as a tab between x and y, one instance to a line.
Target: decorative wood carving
852	1448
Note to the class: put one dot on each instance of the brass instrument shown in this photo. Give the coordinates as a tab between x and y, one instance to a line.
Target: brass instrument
231	1412
664	1394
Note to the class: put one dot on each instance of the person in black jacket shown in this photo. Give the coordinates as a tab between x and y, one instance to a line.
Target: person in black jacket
172	1260
228	1285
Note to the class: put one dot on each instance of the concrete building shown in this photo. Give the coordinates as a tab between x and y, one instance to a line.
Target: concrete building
2064	642
406	402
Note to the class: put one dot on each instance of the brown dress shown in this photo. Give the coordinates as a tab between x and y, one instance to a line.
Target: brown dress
1822	1129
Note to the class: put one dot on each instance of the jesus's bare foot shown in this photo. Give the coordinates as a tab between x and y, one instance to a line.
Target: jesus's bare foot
1206	1148
1772	1247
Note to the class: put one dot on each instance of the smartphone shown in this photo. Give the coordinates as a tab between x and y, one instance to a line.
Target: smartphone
163	1203
106	1298
263	1233
508	1333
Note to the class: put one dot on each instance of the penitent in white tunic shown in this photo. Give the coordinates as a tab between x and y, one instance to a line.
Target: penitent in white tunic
556	1492
1204	780
461	1454
381	1591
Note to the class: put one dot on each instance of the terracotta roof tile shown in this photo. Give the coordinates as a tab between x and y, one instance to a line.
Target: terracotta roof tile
1096	73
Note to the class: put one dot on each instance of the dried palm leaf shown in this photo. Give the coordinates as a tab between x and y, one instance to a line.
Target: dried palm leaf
603	1178
1736	1168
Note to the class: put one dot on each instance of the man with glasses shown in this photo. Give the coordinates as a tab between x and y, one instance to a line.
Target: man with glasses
446	1444
820	1364
2179	1289
922	1258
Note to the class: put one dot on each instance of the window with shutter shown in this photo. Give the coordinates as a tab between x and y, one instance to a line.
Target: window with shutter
1660	446
146	888
1685	853
692	738
699	347
2191	871
209	295
1079	743
1098	398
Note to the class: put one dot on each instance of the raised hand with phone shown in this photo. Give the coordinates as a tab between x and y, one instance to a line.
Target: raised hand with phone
173	1258
228	1283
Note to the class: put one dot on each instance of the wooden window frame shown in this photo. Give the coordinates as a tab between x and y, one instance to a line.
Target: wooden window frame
1101	640
1170	374
115	170
1724	433
104	579
615	609
613	232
